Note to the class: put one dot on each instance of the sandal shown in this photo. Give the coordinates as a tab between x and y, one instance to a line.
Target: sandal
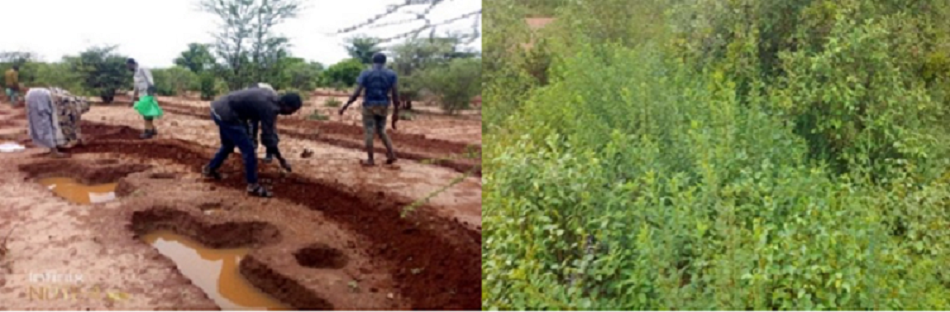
390	161
367	163
258	191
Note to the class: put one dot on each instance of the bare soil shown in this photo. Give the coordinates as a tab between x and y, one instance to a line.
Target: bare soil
332	238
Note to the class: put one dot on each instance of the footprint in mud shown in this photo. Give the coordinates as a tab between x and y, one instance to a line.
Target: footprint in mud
164	176
320	256
107	161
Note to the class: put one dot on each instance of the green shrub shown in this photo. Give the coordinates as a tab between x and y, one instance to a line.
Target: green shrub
333	102
208	86
455	84
744	163
302	76
174	81
55	74
316	115
101	71
343	74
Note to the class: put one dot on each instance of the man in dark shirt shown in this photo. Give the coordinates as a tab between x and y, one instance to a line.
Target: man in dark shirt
233	112
254	127
379	83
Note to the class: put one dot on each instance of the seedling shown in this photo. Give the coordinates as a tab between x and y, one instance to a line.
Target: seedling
412	207
333	102
317	116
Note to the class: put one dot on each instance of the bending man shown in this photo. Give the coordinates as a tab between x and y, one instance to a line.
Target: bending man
53	115
379	83
232	113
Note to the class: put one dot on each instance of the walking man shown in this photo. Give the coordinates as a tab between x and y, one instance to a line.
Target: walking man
13	84
379	83
143	85
232	113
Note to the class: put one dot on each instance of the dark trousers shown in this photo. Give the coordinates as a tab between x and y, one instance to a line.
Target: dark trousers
235	135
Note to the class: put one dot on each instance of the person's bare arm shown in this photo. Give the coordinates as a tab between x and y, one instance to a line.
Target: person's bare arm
356	94
395	105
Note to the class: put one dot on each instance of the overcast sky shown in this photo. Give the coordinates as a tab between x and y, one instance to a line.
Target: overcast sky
156	31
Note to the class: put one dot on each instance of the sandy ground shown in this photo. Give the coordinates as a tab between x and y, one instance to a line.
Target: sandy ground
428	260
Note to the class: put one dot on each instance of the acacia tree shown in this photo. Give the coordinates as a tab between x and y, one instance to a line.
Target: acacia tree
246	41
102	71
363	48
416	55
421	11
197	58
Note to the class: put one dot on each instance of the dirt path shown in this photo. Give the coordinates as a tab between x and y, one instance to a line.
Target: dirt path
329	206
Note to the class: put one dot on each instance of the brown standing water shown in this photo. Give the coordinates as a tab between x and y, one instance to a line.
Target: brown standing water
80	193
213	270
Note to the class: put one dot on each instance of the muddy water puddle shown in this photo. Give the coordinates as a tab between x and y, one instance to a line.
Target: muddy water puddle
213	270
79	193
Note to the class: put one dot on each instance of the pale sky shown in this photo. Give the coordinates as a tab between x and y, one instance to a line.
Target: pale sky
154	32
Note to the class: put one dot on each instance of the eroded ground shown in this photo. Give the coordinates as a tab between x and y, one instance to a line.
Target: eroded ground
332	238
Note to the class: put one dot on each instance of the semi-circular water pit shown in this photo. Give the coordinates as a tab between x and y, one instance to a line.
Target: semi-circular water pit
76	192
215	261
81	182
215	271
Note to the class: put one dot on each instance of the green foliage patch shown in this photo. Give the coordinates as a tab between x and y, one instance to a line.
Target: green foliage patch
767	155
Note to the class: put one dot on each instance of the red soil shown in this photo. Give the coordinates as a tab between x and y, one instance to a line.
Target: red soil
448	253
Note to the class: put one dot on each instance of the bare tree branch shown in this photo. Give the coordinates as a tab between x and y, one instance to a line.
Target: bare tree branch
424	16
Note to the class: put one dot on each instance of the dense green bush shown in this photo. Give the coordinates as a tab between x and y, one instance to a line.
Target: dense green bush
208	85
38	74
301	76
344	73
174	81
101	71
455	84
768	155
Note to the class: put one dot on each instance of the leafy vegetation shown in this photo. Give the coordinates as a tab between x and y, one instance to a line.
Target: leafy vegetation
248	49
316	115
174	80
345	73
363	48
101	70
720	154
455	84
333	102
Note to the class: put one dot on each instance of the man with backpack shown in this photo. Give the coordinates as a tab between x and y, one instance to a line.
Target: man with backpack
379	83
